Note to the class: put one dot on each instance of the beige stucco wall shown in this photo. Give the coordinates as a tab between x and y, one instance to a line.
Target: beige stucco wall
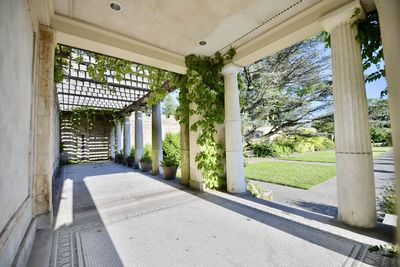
19	76
16	87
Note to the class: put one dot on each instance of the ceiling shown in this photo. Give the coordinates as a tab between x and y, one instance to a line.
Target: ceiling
179	25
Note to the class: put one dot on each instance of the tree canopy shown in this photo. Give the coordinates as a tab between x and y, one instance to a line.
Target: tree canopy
286	90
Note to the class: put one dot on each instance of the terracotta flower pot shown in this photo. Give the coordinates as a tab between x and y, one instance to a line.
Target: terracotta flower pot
170	172
145	166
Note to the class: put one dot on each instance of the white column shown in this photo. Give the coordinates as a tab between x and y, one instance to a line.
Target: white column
185	164
196	178
156	139
118	131
112	142
233	137
138	137
127	136
354	166
389	21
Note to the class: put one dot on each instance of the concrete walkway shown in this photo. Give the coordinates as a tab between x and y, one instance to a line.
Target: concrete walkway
110	215
323	198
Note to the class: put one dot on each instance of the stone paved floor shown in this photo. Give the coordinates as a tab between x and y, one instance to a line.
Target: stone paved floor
110	215
323	198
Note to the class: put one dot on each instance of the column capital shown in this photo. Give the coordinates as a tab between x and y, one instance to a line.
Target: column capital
231	68
341	16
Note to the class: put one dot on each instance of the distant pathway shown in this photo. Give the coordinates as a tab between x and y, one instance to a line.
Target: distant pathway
323	198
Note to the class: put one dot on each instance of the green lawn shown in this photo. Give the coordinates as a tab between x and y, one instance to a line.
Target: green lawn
297	175
328	156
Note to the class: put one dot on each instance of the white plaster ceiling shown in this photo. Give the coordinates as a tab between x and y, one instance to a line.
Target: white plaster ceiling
179	25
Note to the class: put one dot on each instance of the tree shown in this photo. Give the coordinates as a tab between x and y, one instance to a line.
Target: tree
169	106
379	121
287	90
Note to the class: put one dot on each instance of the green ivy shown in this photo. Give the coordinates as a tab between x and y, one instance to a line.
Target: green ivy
369	36
205	89
87	116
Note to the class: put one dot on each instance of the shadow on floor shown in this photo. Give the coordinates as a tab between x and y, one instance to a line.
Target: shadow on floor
305	232
87	245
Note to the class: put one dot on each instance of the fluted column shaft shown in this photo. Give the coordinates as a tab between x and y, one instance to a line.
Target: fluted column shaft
233	133
156	139
138	137
127	135
118	137
389	21
112	142
196	177
185	160
354	166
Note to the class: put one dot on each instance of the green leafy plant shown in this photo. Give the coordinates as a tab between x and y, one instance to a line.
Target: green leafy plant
119	156
390	251
146	156
171	150
131	154
388	200
204	89
258	191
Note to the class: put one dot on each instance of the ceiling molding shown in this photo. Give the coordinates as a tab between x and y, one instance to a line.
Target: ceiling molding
297	28
87	36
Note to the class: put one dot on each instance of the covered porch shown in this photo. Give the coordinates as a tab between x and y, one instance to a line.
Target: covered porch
104	202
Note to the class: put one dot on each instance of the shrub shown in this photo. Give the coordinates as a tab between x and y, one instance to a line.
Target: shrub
387	203
146	156
282	150
171	150
288	144
131	154
263	150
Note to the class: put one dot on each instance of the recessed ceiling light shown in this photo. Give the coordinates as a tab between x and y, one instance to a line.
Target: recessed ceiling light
115	6
202	42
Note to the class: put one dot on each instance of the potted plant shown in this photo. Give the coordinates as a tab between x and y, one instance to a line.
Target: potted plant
119	157
145	160
131	158
171	155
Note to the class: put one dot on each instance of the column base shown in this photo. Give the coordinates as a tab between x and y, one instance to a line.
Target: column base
235	172
200	186
356	190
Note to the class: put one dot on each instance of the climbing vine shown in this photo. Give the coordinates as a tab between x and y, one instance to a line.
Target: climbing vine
203	95
87	116
369	36
160	81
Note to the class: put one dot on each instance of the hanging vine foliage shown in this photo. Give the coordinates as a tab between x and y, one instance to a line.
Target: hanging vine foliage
369	36
87	116
160	81
205	91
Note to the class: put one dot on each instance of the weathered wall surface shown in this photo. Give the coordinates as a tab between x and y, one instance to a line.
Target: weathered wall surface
19	124
16	144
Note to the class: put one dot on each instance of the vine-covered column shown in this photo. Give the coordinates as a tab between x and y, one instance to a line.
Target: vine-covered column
112	142
118	131
156	139
389	21
138	138
354	166
185	164
233	137
127	136
196	176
